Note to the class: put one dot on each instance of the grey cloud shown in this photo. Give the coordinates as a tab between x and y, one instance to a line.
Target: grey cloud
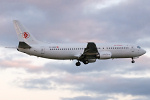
114	85
107	97
71	68
90	98
42	83
92	84
139	86
125	22
16	11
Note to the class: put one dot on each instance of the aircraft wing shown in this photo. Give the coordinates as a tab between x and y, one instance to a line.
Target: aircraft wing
90	52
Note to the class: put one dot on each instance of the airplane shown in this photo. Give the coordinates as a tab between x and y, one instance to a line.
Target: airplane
82	52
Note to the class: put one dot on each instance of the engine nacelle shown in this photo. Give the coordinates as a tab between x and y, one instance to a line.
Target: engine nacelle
105	55
91	60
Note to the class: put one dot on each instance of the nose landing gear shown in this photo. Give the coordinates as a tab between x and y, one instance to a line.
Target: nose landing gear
132	61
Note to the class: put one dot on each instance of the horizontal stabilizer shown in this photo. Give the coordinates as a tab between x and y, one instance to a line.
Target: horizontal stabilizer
23	45
11	47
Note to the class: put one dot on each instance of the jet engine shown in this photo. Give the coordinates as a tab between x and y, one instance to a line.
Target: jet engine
91	60
105	55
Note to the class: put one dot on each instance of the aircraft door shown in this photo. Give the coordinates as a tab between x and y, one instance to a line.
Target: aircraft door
42	50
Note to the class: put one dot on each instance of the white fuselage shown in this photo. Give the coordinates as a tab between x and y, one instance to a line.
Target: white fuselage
74	50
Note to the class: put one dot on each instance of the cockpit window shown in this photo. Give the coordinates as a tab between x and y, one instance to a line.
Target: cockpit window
139	47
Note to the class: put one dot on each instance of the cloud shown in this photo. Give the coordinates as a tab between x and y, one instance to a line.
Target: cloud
91	84
107	97
89	98
63	19
42	83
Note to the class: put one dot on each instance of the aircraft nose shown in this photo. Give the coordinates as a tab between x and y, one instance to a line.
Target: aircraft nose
143	51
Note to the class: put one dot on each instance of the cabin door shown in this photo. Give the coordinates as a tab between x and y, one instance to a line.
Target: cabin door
42	50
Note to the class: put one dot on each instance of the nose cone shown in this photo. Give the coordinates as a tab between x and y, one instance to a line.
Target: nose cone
143	51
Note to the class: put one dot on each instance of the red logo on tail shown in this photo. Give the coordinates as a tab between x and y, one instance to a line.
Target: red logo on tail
25	35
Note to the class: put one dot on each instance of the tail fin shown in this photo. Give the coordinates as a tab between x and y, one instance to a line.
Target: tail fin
24	36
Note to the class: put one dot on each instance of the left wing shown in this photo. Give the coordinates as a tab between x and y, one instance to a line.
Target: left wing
90	53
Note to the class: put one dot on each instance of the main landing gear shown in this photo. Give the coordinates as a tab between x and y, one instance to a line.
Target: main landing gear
132	61
85	62
78	63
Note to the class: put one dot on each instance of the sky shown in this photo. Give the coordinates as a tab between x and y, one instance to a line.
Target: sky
24	77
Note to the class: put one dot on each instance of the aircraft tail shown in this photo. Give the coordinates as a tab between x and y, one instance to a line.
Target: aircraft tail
25	37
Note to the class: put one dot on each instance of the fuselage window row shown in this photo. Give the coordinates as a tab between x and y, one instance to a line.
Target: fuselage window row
83	48
68	49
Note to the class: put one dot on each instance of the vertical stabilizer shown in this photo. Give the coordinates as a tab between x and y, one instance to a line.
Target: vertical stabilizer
23	34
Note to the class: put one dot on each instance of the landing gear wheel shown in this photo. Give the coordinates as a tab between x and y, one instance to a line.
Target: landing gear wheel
78	63
132	61
86	62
